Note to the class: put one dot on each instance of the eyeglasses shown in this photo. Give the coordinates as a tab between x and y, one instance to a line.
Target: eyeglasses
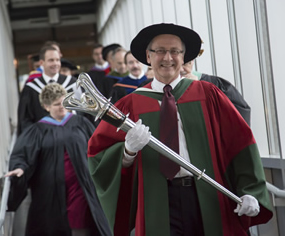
162	52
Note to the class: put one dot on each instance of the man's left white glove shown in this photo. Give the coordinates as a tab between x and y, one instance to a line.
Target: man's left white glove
249	206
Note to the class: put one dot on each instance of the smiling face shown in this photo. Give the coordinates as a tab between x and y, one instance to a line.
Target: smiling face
51	62
166	68
56	109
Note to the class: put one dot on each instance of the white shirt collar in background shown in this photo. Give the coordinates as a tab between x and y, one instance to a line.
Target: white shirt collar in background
133	77
47	78
104	66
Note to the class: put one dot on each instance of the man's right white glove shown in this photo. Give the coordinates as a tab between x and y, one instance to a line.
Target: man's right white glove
137	137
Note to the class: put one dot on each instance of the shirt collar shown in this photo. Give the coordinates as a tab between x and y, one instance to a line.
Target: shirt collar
104	66
47	78
140	76
158	86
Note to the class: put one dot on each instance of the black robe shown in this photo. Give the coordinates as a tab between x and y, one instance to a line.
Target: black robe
232	93
125	86
103	83
39	151
29	109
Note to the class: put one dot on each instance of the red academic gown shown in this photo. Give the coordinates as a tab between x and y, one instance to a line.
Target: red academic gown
218	140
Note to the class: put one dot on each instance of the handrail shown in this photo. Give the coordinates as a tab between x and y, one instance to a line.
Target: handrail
276	191
7	183
4	200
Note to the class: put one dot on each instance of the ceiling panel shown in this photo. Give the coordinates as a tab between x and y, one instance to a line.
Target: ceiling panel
34	22
38	3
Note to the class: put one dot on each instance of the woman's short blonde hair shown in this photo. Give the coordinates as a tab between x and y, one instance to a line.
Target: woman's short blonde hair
51	93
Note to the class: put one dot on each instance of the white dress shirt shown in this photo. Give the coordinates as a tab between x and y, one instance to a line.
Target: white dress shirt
47	78
157	86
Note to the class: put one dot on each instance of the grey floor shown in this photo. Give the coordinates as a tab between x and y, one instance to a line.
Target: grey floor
15	222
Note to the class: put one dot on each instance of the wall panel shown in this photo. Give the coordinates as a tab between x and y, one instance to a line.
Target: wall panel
276	17
182	11
200	25
8	88
138	12
132	16
168	11
157	11
221	37
147	14
120	26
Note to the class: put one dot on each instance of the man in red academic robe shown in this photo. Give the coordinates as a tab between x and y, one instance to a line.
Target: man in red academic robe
212	135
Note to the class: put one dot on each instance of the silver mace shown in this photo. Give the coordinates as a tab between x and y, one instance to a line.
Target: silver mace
94	103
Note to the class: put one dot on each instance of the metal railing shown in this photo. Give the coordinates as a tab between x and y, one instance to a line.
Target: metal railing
276	191
6	186
4	200
278	195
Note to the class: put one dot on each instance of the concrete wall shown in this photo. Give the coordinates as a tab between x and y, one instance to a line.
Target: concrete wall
8	88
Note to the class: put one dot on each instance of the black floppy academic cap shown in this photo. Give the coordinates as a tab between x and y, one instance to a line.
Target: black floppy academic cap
189	37
68	64
109	48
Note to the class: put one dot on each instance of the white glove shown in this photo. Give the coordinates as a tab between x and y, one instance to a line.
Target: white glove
137	137
249	206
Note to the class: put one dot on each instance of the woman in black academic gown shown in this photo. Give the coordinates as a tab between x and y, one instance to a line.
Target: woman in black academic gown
50	157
